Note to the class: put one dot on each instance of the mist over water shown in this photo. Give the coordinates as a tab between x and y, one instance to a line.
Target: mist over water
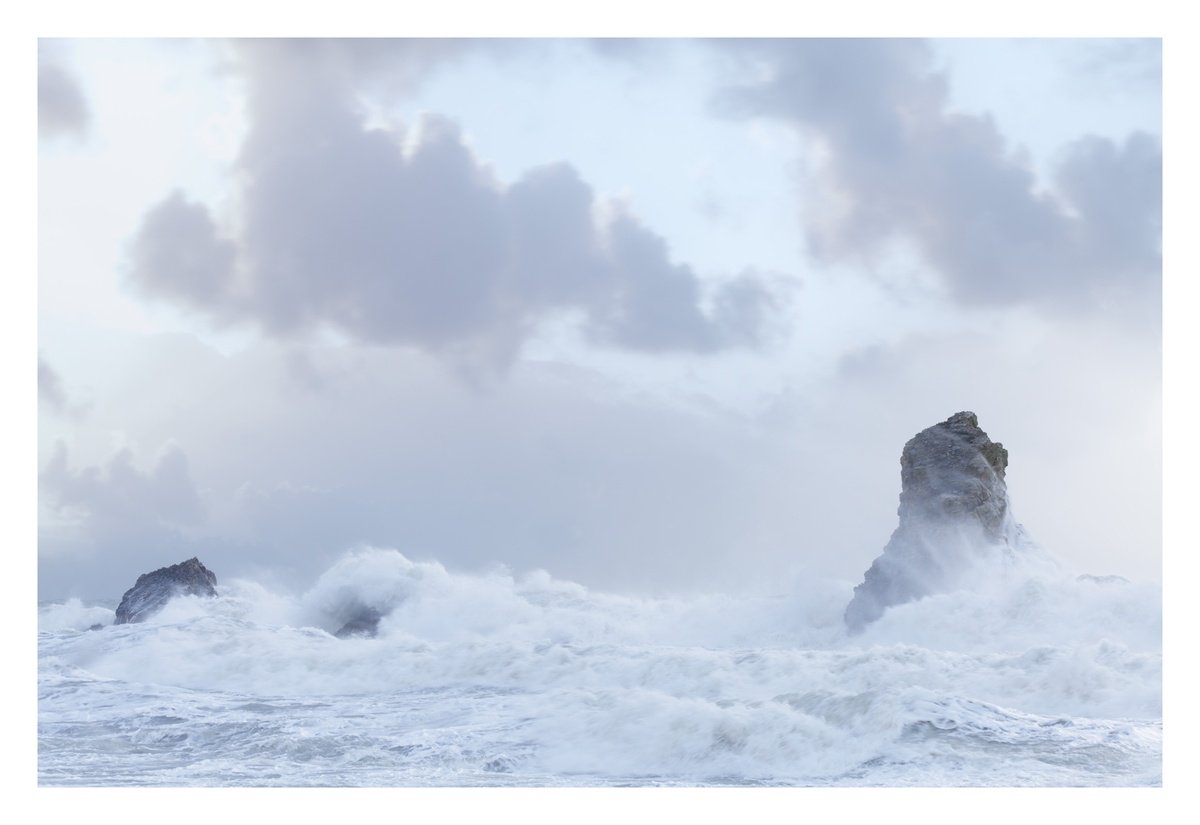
1026	675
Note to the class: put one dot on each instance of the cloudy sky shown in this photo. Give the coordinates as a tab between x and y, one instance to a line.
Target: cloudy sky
649	314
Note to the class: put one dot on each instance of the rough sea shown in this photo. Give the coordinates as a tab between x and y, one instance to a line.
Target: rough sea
1027	678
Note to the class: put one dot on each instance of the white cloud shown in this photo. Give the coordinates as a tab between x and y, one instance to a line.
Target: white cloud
406	238
50	388
896	164
62	107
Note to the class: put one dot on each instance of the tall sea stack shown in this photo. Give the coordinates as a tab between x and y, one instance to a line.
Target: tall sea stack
954	510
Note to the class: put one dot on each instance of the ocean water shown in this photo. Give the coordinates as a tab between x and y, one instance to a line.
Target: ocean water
1026	678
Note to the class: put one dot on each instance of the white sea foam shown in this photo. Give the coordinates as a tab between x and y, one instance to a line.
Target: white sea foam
1031	677
72	615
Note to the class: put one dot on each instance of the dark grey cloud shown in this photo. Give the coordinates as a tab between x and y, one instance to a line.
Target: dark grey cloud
898	165
62	107
403	237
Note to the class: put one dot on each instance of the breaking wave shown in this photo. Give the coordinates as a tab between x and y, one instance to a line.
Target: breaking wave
1030	676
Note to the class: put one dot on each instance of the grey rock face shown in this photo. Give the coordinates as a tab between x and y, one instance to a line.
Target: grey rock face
954	509
365	623
153	590
1105	580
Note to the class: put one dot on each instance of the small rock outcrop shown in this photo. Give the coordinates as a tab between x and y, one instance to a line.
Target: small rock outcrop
954	510
365	623
1088	577
153	590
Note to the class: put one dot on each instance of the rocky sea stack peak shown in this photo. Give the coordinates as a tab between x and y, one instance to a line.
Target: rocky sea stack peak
153	590
954	510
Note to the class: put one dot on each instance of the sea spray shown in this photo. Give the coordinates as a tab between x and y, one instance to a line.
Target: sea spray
494	678
955	520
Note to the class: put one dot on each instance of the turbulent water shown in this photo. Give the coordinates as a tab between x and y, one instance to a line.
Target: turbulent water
1027	678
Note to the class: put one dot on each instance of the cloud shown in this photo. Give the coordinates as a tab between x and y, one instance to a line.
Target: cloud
50	389
179	256
402	236
392	66
1116	191
53	395
557	468
100	526
591	478
1132	63
895	164
62	107
119	502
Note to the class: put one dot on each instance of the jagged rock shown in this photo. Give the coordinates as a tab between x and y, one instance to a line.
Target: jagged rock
364	624
153	590
954	509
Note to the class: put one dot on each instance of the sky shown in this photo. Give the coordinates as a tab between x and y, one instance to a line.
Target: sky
651	315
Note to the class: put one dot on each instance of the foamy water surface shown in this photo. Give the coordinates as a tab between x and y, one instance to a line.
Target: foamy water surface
1032	678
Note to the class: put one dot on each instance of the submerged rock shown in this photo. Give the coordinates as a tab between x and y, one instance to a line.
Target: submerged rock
365	623
954	510
1088	577
153	590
